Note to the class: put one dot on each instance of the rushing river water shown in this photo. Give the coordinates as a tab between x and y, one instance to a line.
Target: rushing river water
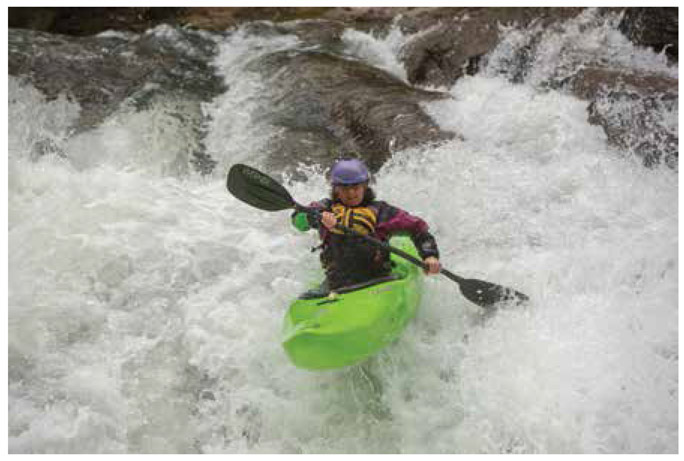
145	302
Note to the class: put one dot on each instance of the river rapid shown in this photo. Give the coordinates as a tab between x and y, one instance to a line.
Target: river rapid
145	302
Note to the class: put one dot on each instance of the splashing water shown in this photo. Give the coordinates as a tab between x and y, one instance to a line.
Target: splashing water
382	54
145	302
590	39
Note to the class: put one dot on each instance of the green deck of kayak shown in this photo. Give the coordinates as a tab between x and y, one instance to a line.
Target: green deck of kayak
344	329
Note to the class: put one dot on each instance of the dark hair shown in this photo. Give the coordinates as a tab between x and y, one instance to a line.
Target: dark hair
368	195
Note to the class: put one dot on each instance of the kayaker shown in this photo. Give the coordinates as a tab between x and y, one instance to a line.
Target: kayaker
348	259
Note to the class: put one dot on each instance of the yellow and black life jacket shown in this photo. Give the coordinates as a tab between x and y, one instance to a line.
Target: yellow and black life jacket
361	219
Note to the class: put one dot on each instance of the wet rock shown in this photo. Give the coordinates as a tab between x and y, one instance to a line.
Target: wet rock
442	56
657	28
377	19
629	106
317	32
345	106
325	104
58	64
111	72
81	21
415	20
220	18
632	109
460	37
100	72
591	81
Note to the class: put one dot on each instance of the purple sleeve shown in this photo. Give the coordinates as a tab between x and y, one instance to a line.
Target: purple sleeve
393	220
401	221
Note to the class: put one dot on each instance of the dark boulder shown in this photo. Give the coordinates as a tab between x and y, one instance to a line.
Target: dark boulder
657	28
83	21
344	106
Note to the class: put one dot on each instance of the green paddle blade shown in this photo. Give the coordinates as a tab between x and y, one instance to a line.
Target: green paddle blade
257	189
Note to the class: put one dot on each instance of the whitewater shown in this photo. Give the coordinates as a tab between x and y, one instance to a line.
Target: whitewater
145	302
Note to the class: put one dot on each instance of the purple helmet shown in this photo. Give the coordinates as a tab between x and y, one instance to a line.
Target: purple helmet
349	171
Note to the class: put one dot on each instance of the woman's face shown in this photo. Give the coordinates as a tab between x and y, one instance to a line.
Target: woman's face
351	195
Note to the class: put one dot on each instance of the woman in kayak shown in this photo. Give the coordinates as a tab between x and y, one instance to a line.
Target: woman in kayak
348	259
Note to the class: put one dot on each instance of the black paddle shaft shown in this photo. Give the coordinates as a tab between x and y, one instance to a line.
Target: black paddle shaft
482	293
261	191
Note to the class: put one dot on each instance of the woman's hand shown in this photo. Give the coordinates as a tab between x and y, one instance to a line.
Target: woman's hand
434	266
328	219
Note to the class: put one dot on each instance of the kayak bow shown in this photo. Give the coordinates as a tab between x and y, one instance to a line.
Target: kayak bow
346	327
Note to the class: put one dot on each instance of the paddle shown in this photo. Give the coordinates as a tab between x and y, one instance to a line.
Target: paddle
261	191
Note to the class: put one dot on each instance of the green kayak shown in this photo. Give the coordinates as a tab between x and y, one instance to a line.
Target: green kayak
324	332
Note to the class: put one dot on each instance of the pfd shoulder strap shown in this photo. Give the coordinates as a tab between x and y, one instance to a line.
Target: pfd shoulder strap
362	218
